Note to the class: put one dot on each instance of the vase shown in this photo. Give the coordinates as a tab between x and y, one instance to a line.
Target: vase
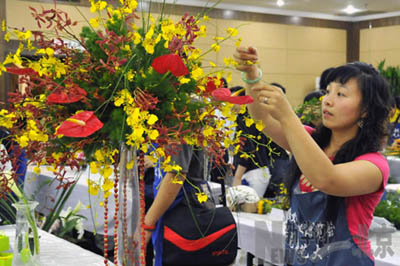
130	243
26	244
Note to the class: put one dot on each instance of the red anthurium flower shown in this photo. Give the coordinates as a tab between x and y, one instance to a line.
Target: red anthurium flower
20	71
80	125
210	87
172	63
224	94
73	94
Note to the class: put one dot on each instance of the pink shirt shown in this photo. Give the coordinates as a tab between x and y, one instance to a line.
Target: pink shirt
359	209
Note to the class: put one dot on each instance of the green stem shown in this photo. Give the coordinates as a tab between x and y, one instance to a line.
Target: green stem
6	209
59	206
32	223
116	86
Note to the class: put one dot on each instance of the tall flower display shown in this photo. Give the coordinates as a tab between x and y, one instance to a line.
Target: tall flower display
139	86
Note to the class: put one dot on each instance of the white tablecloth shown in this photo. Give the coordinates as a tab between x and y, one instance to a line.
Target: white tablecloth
264	237
55	251
45	194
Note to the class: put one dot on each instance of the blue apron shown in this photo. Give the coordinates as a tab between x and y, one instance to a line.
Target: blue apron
317	232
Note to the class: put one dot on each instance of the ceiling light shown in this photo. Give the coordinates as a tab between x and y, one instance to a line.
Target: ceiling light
228	14
350	9
280	3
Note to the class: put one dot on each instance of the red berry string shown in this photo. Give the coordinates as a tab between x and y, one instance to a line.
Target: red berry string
125	213
106	231
116	220
142	210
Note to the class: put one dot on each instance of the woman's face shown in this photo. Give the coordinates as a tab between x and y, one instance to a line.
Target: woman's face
341	106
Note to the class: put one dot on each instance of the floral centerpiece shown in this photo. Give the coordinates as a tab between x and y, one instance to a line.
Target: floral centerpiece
394	149
124	85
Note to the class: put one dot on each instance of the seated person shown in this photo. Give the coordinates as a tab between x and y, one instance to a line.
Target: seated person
18	156
18	164
267	155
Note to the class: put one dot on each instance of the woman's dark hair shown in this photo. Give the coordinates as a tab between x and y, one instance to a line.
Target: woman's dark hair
323	80
375	104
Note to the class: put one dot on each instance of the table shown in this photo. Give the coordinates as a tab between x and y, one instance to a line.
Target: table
57	251
45	195
264	237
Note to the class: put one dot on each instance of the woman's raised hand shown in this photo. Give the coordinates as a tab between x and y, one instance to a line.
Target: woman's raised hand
246	57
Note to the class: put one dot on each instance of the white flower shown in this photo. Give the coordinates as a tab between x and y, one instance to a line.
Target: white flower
79	228
77	208
241	194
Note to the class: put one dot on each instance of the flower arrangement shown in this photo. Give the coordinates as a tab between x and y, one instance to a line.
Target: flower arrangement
389	208
281	201
122	85
394	149
310	110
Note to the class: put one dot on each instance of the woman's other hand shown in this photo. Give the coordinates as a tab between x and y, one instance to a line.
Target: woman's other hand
273	100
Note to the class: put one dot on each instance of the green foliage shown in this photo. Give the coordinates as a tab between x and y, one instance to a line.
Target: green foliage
392	75
309	111
172	96
389	209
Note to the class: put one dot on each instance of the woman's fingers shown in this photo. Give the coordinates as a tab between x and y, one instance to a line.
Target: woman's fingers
244	54
265	87
252	50
266	94
246	57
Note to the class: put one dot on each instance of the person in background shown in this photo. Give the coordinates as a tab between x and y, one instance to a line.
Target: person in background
168	192
19	166
220	173
18	155
148	200
265	154
339	174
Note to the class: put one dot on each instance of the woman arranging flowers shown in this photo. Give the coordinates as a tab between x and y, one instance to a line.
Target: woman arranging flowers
340	175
